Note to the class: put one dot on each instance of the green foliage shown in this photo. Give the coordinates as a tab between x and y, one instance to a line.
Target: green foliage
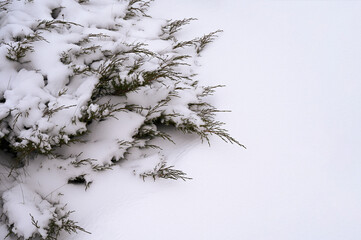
198	43
59	222
149	131
172	27
22	45
49	25
83	162
202	42
137	8
101	111
49	112
3	5
161	170
17	51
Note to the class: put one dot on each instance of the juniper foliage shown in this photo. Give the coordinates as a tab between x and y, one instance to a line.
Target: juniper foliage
59	222
161	170
108	73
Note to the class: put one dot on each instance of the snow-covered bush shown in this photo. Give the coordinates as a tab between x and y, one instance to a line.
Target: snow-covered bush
82	82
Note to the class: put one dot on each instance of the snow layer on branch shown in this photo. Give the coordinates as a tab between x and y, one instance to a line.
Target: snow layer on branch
59	59
21	205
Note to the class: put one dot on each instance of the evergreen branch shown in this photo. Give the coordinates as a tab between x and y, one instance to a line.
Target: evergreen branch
137	8
48	25
209	90
205	40
61	222
99	168
148	132
183	44
198	43
138	49
17	51
22	45
161	170
82	162
101	111
172	27
50	111
86	50
3	5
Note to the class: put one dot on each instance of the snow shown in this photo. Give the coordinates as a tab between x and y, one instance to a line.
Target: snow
20	212
292	76
102	143
293	85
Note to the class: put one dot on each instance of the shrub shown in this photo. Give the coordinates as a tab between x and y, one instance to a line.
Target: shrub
80	75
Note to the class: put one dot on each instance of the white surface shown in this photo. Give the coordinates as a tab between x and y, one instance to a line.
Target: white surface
293	84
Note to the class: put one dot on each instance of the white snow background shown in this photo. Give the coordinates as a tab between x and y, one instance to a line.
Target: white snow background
293	76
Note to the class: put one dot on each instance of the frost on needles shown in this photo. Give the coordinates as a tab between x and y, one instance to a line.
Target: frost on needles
77	76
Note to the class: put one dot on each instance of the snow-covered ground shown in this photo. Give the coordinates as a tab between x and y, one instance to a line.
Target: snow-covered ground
292	70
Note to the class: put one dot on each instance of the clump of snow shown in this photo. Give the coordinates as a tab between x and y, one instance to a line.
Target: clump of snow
22	206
